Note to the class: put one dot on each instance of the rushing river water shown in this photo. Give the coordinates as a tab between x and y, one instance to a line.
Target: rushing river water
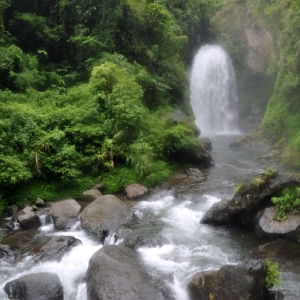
173	215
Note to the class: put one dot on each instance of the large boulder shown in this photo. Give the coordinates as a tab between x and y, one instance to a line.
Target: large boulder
105	215
268	226
115	273
40	286
65	214
253	195
57	247
90	195
245	281
206	143
28	219
280	248
134	191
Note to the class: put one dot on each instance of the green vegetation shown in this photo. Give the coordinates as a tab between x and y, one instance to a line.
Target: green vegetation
239	188
273	274
288	202
257	182
88	91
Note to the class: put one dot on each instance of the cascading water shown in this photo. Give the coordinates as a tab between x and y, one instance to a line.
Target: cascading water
213	91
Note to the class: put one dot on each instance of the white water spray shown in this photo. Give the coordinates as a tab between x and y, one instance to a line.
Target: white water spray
213	91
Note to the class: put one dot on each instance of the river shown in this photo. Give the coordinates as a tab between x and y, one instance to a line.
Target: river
171	216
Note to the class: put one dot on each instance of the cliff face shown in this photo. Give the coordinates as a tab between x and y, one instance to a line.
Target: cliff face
245	38
263	40
251	47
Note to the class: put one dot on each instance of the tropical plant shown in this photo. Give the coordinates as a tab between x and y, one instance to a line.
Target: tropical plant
273	274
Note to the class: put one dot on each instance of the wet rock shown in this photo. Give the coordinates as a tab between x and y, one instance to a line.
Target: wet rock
115	273
90	195
40	286
134	191
10	225
135	239
39	202
250	199
29	220
275	295
280	248
105	215
206	144
65	214
193	172
57	247
245	281
6	254
267	226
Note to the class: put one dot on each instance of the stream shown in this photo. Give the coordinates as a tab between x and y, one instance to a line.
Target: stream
172	216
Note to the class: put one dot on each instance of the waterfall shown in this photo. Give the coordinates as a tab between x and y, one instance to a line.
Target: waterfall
213	91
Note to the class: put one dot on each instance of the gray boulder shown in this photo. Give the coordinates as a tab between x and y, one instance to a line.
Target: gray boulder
26	210
115	273
57	247
99	186
267	226
28	219
90	195
134	191
40	286
206	143
251	198
39	202
6	254
280	248
105	215
65	214
245	281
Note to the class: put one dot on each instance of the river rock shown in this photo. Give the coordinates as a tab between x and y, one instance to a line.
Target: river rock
26	210
267	226
39	202
276	295
6	254
115	273
105	215
246	203
40	286
245	281
65	214
57	247
135	239
206	144
280	248
134	191
29	220
99	186
90	195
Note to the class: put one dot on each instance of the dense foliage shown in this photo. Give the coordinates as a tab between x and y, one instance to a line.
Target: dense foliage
289	201
88	91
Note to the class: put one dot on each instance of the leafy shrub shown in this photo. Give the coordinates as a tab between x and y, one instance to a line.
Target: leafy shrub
273	274
288	202
118	179
160	172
